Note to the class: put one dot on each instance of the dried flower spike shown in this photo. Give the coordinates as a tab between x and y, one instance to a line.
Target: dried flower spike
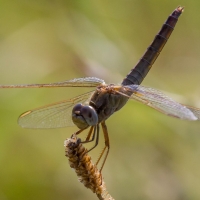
87	172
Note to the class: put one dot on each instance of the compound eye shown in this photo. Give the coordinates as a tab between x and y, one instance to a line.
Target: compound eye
77	108
89	115
77	118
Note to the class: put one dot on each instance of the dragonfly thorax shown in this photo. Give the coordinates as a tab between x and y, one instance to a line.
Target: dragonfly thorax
84	116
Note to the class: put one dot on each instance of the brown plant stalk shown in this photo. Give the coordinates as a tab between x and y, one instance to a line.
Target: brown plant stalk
87	172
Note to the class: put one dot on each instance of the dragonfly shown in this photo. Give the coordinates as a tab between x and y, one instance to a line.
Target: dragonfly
90	110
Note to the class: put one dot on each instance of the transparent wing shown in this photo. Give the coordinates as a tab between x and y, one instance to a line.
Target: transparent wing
159	101
77	82
52	116
196	111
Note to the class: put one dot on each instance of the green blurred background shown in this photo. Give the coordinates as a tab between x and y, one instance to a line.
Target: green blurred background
152	156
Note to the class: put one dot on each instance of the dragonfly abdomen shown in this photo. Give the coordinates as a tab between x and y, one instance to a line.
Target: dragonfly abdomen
138	73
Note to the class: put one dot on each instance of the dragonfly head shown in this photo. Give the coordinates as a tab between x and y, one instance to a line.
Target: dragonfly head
84	116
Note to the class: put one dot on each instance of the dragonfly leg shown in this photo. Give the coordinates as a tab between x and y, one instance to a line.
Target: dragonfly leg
95	131
95	134
78	132
107	145
91	132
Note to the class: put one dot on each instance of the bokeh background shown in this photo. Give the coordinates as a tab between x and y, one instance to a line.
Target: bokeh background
152	156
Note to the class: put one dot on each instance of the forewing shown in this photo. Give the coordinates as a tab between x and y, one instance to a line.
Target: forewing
52	116
80	82
77	82
196	111
159	101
